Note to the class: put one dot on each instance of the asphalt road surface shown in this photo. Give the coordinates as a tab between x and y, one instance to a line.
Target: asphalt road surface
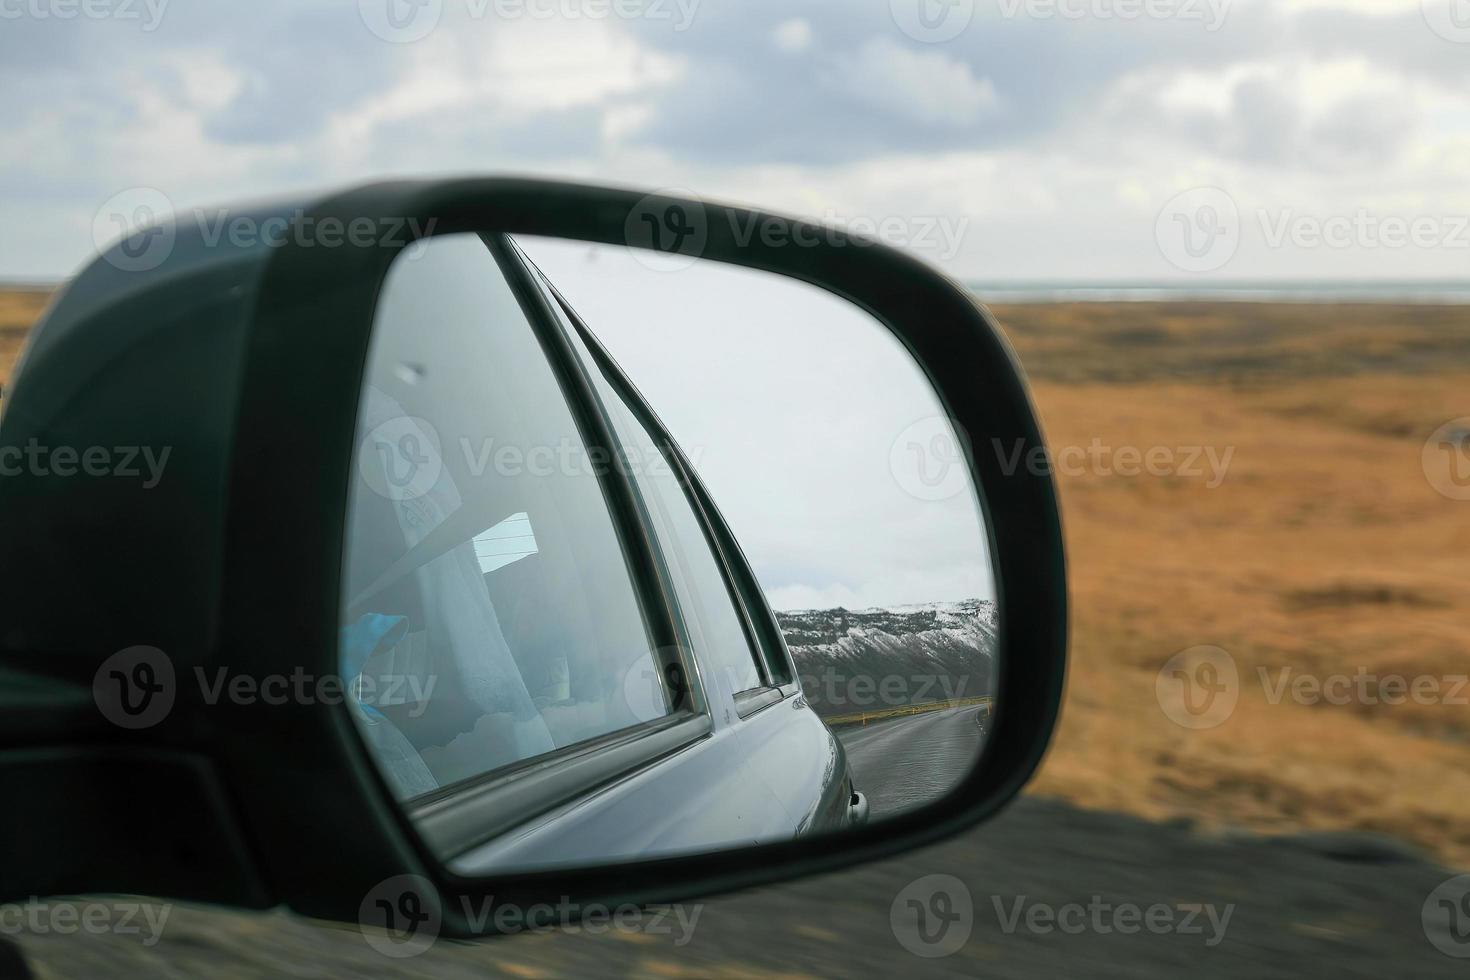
1312	905
904	762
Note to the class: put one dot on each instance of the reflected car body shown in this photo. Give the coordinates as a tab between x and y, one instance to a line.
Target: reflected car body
781	772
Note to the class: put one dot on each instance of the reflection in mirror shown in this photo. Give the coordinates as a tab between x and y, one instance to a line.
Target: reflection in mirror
646	561
827	452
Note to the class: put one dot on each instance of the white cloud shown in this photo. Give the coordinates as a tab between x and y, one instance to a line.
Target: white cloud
926	86
457	92
793	36
1057	143
1372	8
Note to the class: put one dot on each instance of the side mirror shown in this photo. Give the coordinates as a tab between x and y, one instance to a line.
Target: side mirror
568	546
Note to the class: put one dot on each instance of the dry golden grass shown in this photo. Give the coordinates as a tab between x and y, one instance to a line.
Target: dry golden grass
1228	341
18	310
1325	550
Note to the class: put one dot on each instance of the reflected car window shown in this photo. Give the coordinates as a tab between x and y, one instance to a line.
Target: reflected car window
716	629
488	613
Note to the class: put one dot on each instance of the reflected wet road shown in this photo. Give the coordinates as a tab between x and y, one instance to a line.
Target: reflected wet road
909	761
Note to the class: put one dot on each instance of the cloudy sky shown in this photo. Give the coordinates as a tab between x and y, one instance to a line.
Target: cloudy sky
1077	139
816	434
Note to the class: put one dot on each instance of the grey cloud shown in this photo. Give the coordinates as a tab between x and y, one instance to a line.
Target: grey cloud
1362	132
459	140
300	62
749	101
743	100
1403	42
1265	125
1265	122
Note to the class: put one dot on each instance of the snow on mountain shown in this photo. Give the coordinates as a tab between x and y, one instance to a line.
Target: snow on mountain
853	660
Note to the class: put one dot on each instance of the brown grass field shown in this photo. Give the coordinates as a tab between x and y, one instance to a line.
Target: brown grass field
1324	549
18	310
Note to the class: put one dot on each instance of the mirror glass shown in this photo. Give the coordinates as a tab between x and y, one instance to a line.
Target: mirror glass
649	557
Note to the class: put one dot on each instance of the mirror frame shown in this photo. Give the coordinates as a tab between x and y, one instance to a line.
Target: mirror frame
305	356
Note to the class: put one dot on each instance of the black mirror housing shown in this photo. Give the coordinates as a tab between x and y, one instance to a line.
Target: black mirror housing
245	361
